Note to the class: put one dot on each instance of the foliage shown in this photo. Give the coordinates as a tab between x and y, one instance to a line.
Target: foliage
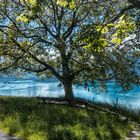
76	41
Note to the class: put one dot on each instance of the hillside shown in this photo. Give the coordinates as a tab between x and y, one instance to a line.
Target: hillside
27	119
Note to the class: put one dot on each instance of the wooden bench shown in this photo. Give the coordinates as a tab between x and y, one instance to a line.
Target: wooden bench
50	99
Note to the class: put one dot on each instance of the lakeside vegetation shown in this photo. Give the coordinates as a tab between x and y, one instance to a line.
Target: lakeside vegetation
75	41
130	113
27	119
81	42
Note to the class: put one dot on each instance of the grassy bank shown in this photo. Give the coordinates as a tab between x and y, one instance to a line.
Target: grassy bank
132	114
27	119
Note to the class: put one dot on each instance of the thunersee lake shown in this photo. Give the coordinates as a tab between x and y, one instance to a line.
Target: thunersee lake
49	88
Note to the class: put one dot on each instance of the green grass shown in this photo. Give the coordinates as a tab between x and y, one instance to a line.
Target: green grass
27	119
133	115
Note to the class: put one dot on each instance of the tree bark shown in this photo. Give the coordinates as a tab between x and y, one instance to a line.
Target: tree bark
67	78
68	90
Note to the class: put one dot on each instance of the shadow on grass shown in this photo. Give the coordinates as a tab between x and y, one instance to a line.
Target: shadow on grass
27	119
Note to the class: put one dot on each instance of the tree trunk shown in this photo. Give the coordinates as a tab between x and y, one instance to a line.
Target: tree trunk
68	90
67	77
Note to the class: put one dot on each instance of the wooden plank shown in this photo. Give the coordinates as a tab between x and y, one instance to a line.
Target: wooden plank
78	103
51	99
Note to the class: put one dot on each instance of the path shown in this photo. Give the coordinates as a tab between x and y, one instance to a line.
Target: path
135	133
6	137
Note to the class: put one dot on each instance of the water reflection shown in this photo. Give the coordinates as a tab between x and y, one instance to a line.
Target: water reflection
31	87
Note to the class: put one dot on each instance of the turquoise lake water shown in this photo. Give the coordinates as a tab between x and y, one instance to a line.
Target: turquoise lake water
34	87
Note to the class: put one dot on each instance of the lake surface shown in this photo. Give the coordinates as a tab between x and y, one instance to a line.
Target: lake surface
34	87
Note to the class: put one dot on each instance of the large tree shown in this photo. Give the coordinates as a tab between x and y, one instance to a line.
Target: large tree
74	40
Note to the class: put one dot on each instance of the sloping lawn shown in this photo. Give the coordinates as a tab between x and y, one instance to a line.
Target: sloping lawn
27	119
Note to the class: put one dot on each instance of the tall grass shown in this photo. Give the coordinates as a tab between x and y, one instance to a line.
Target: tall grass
131	114
27	119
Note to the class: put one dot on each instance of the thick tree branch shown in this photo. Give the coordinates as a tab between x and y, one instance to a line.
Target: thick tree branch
131	6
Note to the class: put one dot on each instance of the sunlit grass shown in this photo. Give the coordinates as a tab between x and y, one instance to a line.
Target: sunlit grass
26	118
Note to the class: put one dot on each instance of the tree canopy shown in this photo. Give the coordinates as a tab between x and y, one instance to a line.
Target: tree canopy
75	40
